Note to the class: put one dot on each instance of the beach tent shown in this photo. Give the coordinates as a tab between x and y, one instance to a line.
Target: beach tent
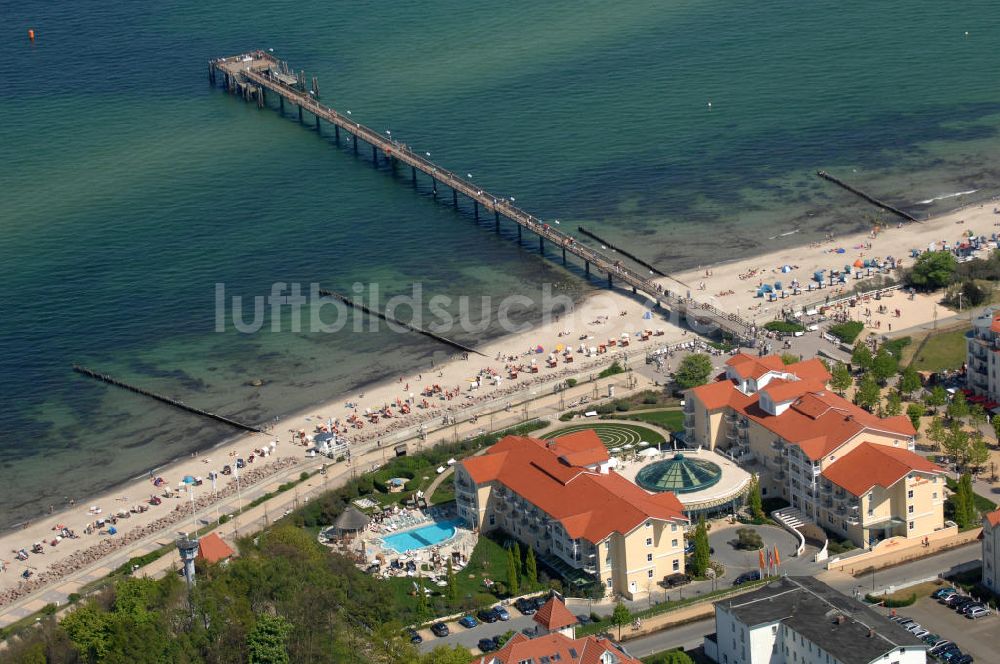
777	286
189	479
539	349
786	268
859	263
818	275
112	530
648	315
841	251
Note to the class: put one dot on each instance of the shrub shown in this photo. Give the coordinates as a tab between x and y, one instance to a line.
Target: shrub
303	476
847	332
784	327
889	602
748	539
571	382
622	405
614	369
566	417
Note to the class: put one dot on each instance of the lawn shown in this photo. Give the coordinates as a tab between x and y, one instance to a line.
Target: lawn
445	492
614	435
488	561
944	350
671	420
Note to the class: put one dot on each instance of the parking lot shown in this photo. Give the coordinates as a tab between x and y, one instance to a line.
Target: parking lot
975	637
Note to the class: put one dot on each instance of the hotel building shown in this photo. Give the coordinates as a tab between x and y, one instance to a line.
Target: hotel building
563	499
842	467
982	356
991	551
799	620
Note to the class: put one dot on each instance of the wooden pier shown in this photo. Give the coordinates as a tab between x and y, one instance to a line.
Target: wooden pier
257	74
111	380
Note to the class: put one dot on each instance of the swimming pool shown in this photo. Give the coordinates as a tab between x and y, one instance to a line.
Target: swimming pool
424	536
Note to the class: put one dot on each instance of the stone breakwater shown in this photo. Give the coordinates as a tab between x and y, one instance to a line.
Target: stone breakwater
182	511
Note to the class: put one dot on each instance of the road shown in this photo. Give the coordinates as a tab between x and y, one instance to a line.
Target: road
903	575
687	636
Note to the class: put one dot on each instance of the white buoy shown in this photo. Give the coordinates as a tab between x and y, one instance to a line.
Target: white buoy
710	106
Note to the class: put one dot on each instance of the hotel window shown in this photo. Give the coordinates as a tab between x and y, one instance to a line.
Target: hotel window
909	494
673	527
909	509
649	524
649	541
673	543
677	565
649	557
911	525
608	583
493	520
650	574
934	495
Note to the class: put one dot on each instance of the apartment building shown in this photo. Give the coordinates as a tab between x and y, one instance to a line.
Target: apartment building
991	551
842	467
563	498
799	620
982	356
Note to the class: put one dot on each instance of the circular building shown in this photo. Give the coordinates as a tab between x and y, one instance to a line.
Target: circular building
706	483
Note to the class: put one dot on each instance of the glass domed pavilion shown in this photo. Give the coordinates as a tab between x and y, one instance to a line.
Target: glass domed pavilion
706	483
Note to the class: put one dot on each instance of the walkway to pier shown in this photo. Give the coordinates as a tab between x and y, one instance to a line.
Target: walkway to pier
254	75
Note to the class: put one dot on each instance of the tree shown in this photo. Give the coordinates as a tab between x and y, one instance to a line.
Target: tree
964	503
755	500
447	655
702	550
894	404
452	581
530	569
788	358
996	426
841	379
620	616
956	443
915	411
933	270
693	371
266	641
87	629
959	407
937	433
672	657
869	394
937	398
862	358
512	579
884	365
910	381
977	415
977	454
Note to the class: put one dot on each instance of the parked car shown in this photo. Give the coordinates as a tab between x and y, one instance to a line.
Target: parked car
952	600
487	616
921	633
979	612
939	646
962	659
943	592
467	622
414	636
584	619
439	629
914	627
965	610
931	639
502	613
675	580
746	577
487	645
526	606
949	654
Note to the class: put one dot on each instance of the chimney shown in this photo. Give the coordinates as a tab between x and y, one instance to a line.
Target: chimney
840	619
871	633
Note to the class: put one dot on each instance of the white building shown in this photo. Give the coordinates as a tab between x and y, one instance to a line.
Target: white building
799	620
982	355
991	551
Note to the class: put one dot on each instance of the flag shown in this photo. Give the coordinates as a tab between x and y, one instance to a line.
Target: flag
761	554
777	556
769	561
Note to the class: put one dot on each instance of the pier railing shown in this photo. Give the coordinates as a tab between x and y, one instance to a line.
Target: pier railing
262	69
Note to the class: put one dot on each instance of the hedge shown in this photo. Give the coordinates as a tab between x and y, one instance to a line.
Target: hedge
847	332
890	603
784	327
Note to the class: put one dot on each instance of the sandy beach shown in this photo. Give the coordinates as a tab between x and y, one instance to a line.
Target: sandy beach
392	409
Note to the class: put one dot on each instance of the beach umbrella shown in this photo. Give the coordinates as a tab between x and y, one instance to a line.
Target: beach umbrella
859	263
189	479
112	530
539	349
560	348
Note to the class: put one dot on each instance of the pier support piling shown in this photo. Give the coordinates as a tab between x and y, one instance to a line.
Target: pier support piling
454	198
496	221
475	209
564	255
300	114
336	134
610	282
281	100
413	175
375	156
317	123
586	268
355	137
541	245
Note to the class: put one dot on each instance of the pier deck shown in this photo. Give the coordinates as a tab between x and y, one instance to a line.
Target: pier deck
254	75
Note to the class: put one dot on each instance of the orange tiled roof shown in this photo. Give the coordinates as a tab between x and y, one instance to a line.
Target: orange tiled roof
781	390
581	448
557	647
748	366
995	325
993	518
554	615
587	503
212	549
868	465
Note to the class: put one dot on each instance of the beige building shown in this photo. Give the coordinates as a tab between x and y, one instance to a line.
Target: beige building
991	551
563	499
843	468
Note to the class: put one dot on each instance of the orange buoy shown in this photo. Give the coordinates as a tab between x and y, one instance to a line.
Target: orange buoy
31	34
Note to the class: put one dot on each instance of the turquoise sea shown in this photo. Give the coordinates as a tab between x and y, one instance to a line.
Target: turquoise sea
129	187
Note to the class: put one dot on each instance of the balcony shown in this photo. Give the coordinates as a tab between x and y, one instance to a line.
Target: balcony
853	520
778	445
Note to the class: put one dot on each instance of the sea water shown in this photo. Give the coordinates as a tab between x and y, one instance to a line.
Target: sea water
685	130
